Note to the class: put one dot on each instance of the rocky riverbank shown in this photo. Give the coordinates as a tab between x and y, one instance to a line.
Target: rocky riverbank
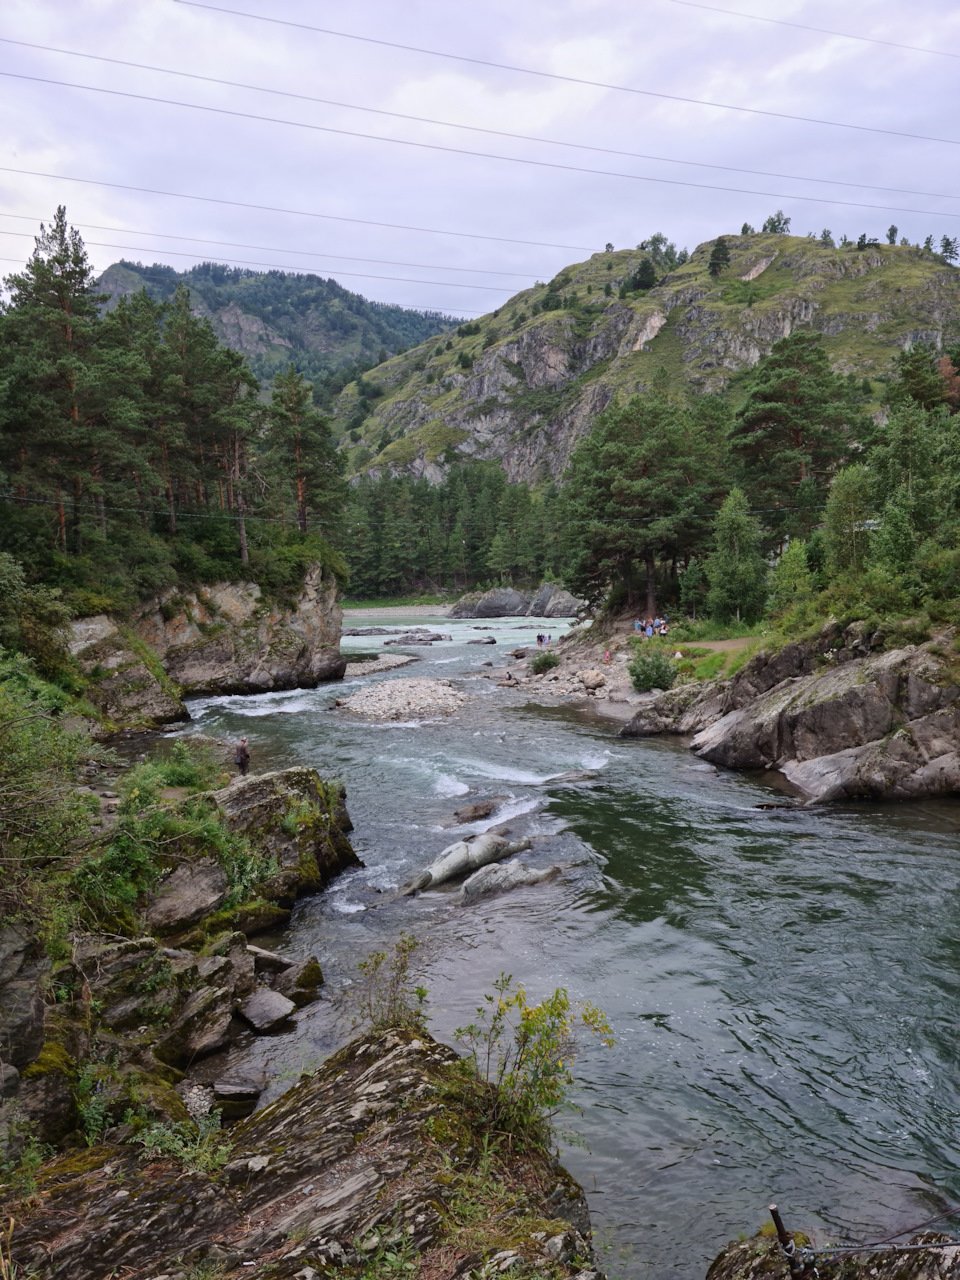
842	717
549	601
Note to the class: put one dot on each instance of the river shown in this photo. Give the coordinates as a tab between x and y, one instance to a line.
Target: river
782	984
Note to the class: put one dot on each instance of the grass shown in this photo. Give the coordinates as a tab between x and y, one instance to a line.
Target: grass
400	602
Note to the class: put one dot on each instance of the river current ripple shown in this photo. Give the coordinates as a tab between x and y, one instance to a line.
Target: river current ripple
782	985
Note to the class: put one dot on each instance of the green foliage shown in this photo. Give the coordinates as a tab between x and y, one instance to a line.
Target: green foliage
523	1052
387	996
137	454
93	1101
190	764
791	582
651	668
736	570
540	663
200	1146
846	524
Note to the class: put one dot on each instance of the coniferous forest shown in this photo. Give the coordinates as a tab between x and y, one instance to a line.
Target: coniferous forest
138	453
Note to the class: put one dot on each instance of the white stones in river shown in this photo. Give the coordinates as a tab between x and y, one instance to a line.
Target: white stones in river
406	699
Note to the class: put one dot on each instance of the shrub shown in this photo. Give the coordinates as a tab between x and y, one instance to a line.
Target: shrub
652	670
523	1052
200	1146
542	662
387	996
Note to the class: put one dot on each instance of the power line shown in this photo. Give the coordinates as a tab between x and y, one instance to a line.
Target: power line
277	266
299	213
552	75
823	31
270	248
480	155
471	128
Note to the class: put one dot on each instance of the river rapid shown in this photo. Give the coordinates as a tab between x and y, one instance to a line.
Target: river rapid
782	984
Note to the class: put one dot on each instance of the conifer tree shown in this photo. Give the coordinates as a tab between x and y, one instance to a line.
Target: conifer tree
736	570
301	451
719	257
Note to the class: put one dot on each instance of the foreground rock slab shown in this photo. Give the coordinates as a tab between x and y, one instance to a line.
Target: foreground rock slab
760	1258
369	1149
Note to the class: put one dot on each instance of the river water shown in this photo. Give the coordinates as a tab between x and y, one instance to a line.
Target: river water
782	984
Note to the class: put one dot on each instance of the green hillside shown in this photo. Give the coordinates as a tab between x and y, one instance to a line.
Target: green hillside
273	317
522	385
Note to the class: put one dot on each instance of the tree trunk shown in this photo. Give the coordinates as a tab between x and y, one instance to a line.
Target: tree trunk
651	586
238	494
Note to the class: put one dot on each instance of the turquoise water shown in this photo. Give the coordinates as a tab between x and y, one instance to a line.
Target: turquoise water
782	984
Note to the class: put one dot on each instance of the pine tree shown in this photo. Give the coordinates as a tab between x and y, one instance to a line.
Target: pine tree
719	257
794	425
302	453
736	570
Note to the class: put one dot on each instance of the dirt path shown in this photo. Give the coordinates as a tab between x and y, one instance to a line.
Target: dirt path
723	646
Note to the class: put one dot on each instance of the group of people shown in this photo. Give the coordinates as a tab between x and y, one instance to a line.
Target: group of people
543	640
652	627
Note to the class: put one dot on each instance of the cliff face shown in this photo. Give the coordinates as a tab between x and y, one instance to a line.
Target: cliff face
223	639
524	389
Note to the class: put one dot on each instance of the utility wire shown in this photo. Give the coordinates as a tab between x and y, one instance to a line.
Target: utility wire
552	75
472	128
299	213
364	275
480	155
823	31
270	248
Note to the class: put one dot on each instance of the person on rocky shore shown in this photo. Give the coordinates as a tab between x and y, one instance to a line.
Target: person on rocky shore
242	757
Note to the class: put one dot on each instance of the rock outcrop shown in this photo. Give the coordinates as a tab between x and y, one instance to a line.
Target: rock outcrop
225	638
839	719
760	1258
372	1153
549	601
523	385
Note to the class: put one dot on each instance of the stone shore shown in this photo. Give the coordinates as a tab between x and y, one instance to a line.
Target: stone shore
405	698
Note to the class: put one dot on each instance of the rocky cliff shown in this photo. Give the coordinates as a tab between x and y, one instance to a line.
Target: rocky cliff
760	1258
524	384
225	638
842	717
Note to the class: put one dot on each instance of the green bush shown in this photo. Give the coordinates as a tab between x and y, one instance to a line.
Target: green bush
542	662
652	669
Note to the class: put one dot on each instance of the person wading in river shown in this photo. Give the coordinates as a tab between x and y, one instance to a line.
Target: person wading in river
242	757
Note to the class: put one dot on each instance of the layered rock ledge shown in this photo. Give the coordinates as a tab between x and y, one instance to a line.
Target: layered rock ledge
550	601
840	718
374	1153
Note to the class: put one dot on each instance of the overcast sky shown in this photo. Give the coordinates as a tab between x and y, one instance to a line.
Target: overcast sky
655	45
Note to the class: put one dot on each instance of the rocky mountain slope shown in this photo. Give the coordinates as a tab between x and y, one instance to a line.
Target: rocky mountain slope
273	317
522	385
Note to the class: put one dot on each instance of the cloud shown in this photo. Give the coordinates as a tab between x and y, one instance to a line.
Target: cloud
661	46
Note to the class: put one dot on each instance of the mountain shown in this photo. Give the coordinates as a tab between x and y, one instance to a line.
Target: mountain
274	317
522	385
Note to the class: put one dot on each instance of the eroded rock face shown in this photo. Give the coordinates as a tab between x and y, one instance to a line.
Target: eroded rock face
840	721
760	1258
227	639
338	1161
223	639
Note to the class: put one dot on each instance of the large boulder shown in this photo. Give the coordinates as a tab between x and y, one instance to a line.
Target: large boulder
190	892
126	682
839	723
549	601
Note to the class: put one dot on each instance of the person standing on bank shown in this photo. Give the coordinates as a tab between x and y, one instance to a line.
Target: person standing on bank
242	757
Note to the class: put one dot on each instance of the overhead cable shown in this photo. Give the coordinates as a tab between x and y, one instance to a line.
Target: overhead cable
480	155
823	31
553	75
472	128
268	248
299	213
278	266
